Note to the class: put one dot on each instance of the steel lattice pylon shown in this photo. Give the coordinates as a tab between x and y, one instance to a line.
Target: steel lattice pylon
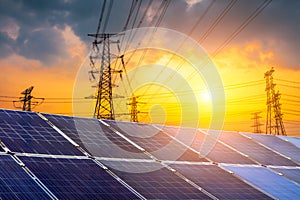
274	123
104	103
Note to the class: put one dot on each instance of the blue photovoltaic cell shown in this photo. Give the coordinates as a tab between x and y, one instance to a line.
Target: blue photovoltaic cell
292	174
274	184
219	182
279	145
255	150
95	138
219	152
293	140
157	183
26	132
15	183
76	179
156	142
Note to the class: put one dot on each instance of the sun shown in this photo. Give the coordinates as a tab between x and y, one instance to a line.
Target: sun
205	96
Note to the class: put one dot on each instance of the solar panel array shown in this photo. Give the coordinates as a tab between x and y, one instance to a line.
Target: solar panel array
45	156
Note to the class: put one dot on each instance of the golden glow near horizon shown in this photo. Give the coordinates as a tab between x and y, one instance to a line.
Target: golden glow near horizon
235	64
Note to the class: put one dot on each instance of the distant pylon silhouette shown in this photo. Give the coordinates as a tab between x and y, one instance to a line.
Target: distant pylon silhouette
27	100
256	124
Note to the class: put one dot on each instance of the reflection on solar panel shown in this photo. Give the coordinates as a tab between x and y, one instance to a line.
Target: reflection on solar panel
293	140
56	164
155	184
290	173
76	178
15	183
156	142
219	182
95	138
220	153
255	150
26	132
274	184
278	144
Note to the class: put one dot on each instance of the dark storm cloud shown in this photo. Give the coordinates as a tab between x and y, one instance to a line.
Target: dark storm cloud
277	28
37	38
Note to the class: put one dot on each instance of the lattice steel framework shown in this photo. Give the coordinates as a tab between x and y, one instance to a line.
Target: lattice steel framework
274	123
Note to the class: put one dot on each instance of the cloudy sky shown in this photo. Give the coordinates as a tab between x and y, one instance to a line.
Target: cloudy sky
42	42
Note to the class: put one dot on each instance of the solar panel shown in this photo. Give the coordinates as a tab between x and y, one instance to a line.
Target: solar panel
255	150
279	145
76	178
156	142
293	140
274	184
95	138
290	173
26	132
15	183
153	181
219	153
219	182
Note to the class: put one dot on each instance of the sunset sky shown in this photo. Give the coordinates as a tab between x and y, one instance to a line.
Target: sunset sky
44	44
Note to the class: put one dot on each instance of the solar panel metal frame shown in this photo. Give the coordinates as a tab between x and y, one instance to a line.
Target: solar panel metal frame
283	147
219	182
96	138
254	150
58	174
26	132
293	140
156	182
17	181
217	152
156	142
277	186
292	173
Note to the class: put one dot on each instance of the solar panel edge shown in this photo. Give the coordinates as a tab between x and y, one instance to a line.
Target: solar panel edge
289	176
116	177
32	176
269	148
92	157
284	147
255	159
224	180
123	136
170	171
180	142
290	139
100	166
245	181
280	187
157	160
230	147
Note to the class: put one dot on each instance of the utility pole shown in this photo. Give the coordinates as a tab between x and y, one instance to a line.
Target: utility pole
274	123
256	124
27	100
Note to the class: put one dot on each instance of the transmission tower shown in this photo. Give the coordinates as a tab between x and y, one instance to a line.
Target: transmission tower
256	124
134	110
26	101
274	123
104	102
